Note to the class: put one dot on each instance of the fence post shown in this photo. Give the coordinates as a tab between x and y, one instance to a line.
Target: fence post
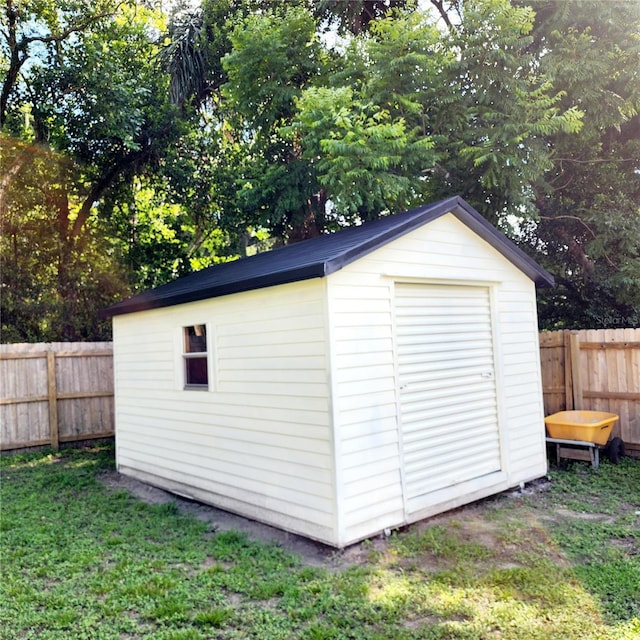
576	376
52	393
568	381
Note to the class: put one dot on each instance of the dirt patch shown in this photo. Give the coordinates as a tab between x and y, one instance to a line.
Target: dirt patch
581	515
469	523
312	553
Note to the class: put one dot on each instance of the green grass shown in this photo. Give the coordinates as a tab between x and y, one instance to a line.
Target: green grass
80	560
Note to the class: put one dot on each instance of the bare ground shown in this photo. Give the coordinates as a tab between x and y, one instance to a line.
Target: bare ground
470	521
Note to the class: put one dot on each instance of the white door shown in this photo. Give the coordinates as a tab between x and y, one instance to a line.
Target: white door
448	406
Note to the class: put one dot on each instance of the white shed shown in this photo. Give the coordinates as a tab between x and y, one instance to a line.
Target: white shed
341	386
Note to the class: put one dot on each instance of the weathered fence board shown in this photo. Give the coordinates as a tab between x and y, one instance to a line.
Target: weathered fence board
597	369
55	392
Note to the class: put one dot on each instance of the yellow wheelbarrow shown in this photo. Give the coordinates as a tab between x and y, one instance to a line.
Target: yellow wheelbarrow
579	435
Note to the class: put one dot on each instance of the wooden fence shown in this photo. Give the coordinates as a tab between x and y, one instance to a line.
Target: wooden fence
596	369
52	393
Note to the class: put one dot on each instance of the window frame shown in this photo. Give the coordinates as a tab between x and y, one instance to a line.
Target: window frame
187	355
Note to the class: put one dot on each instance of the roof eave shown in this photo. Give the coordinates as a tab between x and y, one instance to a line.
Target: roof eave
142	302
468	216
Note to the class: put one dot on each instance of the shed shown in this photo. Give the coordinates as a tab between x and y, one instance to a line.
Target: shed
343	385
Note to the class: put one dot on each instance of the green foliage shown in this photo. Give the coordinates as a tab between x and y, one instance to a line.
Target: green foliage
191	135
363	157
51	280
87	122
91	113
588	201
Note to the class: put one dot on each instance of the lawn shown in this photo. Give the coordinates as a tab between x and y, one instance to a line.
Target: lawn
84	560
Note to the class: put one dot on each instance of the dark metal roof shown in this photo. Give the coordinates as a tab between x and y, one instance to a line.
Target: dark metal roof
321	256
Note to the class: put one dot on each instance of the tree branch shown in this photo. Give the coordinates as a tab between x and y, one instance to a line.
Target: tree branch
439	5
597	161
574	248
101	186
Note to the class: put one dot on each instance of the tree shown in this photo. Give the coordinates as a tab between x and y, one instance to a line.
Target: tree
482	136
50	287
91	102
329	139
166	149
45	23
588	201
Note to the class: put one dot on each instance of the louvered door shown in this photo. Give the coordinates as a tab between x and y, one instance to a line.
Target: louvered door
448	406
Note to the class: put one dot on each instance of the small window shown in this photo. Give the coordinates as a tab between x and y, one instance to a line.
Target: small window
196	375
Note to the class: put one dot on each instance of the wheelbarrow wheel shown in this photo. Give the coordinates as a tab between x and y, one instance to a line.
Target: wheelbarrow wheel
615	450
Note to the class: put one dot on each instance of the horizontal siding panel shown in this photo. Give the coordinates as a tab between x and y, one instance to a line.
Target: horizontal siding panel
298	362
260	401
526	374
388	512
382	345
242	429
274	376
368	455
516	344
263	326
232	461
522	318
234	469
232	414
348	284
519	358
361	491
283	389
526	440
466	268
281	306
363	319
357	446
207	403
366	389
307	507
134	381
305	440
521	410
367	359
300	336
372	418
369	470
363	305
293	350
517	388
362	334
363	401
364	373
390	520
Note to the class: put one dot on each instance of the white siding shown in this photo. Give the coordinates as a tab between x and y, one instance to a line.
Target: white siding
369	450
365	410
259	441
